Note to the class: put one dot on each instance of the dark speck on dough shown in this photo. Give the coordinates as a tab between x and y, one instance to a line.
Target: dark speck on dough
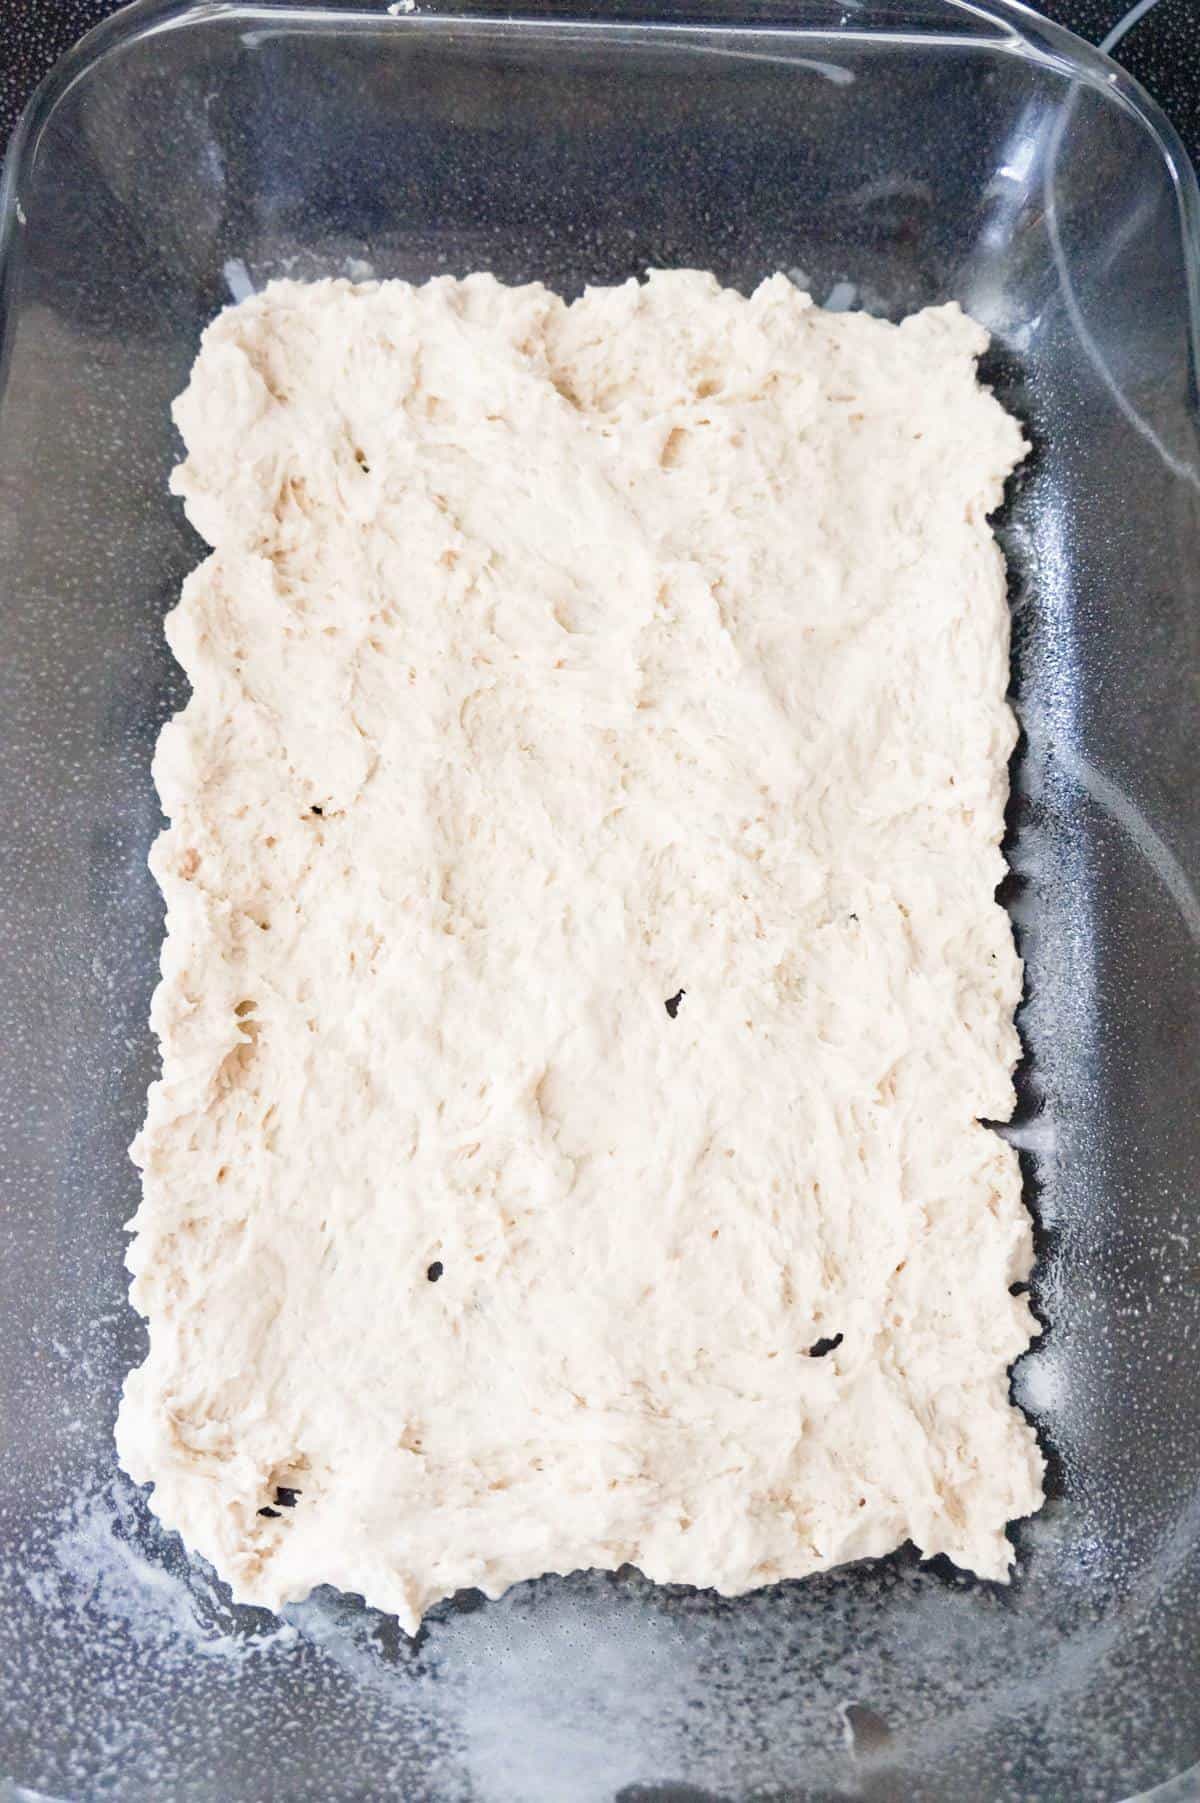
434	1271
285	1498
672	1003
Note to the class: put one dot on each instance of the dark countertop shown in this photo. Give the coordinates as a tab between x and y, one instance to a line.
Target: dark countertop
1162	49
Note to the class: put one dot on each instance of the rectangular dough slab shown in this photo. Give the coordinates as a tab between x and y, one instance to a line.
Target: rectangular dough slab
583	982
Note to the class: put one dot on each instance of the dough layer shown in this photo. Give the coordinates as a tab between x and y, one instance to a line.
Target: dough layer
583	982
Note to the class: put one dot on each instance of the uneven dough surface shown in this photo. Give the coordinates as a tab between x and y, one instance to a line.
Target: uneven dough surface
554	664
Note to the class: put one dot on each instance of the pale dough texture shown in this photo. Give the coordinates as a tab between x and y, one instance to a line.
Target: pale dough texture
550	661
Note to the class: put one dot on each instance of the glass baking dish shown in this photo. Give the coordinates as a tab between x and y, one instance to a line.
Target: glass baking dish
886	153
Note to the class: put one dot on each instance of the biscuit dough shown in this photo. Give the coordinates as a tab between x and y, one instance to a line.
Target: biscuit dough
583	984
